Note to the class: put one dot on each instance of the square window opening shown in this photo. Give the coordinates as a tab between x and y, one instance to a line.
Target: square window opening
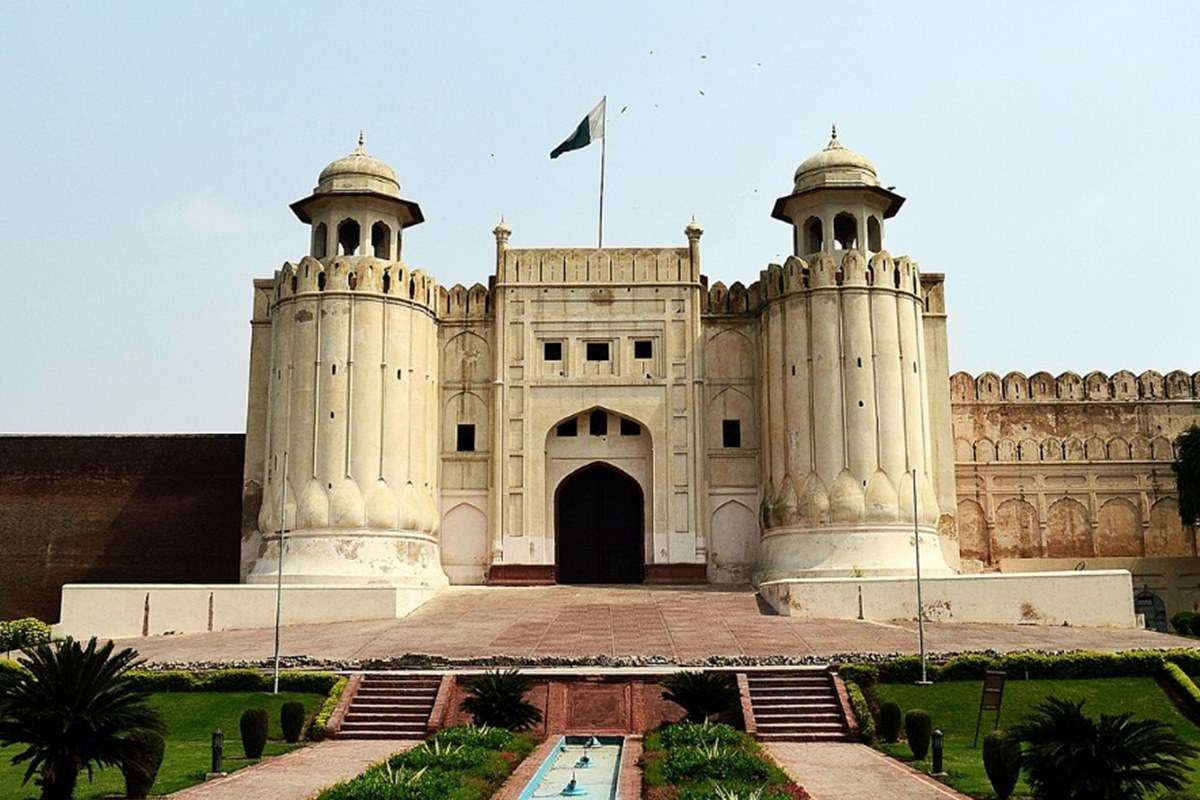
552	351
643	348
597	351
731	433
465	439
598	423
568	428
630	428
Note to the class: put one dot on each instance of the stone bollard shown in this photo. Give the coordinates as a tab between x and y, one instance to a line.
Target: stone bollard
218	756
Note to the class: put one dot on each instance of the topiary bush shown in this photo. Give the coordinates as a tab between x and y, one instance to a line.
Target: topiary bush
291	720
918	727
19	634
1002	762
253	725
145	756
890	721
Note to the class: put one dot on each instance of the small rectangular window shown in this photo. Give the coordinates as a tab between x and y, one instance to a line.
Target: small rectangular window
568	428
630	428
598	423
466	439
597	351
731	433
643	348
552	351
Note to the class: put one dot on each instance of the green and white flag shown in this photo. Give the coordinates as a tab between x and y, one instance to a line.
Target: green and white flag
591	129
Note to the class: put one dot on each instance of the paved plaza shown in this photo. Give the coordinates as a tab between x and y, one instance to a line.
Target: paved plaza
677	624
834	771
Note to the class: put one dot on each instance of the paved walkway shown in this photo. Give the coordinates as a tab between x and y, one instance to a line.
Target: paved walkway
680	624
298	775
855	772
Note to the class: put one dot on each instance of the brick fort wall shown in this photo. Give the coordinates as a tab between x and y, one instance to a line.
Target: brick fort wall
98	509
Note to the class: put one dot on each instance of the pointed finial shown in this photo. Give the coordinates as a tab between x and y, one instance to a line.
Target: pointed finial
834	132
361	138
834	144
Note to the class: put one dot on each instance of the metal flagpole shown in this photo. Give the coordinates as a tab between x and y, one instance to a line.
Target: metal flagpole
279	570
603	146
920	604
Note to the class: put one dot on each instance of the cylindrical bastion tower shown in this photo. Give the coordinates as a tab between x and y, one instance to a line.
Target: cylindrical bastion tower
352	409
845	403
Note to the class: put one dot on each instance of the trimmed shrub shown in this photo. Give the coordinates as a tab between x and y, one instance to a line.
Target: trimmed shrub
306	682
316	731
703	695
891	719
1186	622
1002	762
145	756
291	720
1032	665
865	675
234	680
253	725
969	667
21	633
691	734
862	711
918	728
904	669
1184	686
169	680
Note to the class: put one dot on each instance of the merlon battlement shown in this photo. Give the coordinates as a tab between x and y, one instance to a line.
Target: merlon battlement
989	387
361	274
598	265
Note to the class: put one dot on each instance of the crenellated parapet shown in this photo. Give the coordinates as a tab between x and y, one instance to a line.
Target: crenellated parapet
460	303
1121	386
617	265
359	275
825	271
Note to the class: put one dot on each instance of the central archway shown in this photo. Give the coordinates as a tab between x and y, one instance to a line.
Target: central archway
598	511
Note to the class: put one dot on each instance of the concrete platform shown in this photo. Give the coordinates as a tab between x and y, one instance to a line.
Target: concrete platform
676	624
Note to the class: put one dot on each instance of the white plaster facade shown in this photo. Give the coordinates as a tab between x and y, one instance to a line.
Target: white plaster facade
773	432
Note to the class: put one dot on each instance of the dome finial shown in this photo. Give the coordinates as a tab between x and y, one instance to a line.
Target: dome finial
834	144
361	142
834	132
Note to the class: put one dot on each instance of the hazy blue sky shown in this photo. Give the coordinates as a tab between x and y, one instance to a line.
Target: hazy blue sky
1048	152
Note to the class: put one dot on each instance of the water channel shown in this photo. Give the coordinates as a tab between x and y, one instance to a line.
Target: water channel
579	766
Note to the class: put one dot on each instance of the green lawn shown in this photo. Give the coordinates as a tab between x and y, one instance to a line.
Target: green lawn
191	718
954	706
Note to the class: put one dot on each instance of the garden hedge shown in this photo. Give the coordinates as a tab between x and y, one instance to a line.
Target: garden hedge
316	731
1185	687
862	711
1026	665
232	680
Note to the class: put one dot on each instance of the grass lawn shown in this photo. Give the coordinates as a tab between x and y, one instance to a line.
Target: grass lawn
954	706
191	718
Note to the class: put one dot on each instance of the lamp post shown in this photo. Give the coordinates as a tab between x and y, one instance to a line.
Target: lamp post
920	602
279	570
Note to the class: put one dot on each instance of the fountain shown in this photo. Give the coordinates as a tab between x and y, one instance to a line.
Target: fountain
579	766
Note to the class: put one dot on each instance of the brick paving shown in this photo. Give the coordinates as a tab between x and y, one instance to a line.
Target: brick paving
675	623
831	771
298	775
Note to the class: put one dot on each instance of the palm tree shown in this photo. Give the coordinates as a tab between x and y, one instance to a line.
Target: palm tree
72	708
498	699
703	695
1069	755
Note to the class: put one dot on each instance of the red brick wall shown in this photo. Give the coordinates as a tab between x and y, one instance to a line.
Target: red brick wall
101	509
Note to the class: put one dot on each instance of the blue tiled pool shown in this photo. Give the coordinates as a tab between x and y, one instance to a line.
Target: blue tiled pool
579	766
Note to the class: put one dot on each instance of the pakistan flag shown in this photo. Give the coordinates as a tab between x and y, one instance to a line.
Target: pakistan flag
591	129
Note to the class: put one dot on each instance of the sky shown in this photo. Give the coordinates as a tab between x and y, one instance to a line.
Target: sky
1048	151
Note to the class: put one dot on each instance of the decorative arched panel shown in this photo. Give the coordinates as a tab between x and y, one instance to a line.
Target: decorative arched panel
734	542
1016	533
1167	536
972	531
729	356
963	451
1068	531
464	544
466	358
465	408
1119	531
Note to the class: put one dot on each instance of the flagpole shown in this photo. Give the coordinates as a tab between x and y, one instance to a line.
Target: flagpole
603	146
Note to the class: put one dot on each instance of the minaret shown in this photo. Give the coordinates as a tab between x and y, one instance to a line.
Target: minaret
352	403
847	409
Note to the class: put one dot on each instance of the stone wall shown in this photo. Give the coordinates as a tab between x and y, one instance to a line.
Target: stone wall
1071	467
90	509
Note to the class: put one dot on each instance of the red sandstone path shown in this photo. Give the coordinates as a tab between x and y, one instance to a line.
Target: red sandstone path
298	775
835	771
680	624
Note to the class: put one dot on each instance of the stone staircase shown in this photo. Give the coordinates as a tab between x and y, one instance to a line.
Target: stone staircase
391	707
797	706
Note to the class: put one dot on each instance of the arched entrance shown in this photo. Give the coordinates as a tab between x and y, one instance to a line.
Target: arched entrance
598	512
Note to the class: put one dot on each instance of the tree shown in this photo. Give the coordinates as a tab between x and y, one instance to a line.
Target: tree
1187	474
73	708
498	699
1068	755
703	695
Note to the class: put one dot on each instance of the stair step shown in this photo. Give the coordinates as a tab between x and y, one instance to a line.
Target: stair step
804	737
774	727
790	719
367	716
380	735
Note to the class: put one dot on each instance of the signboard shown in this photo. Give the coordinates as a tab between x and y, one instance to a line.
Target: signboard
991	699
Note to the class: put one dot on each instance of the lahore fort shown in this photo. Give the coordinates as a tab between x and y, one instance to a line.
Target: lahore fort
613	416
